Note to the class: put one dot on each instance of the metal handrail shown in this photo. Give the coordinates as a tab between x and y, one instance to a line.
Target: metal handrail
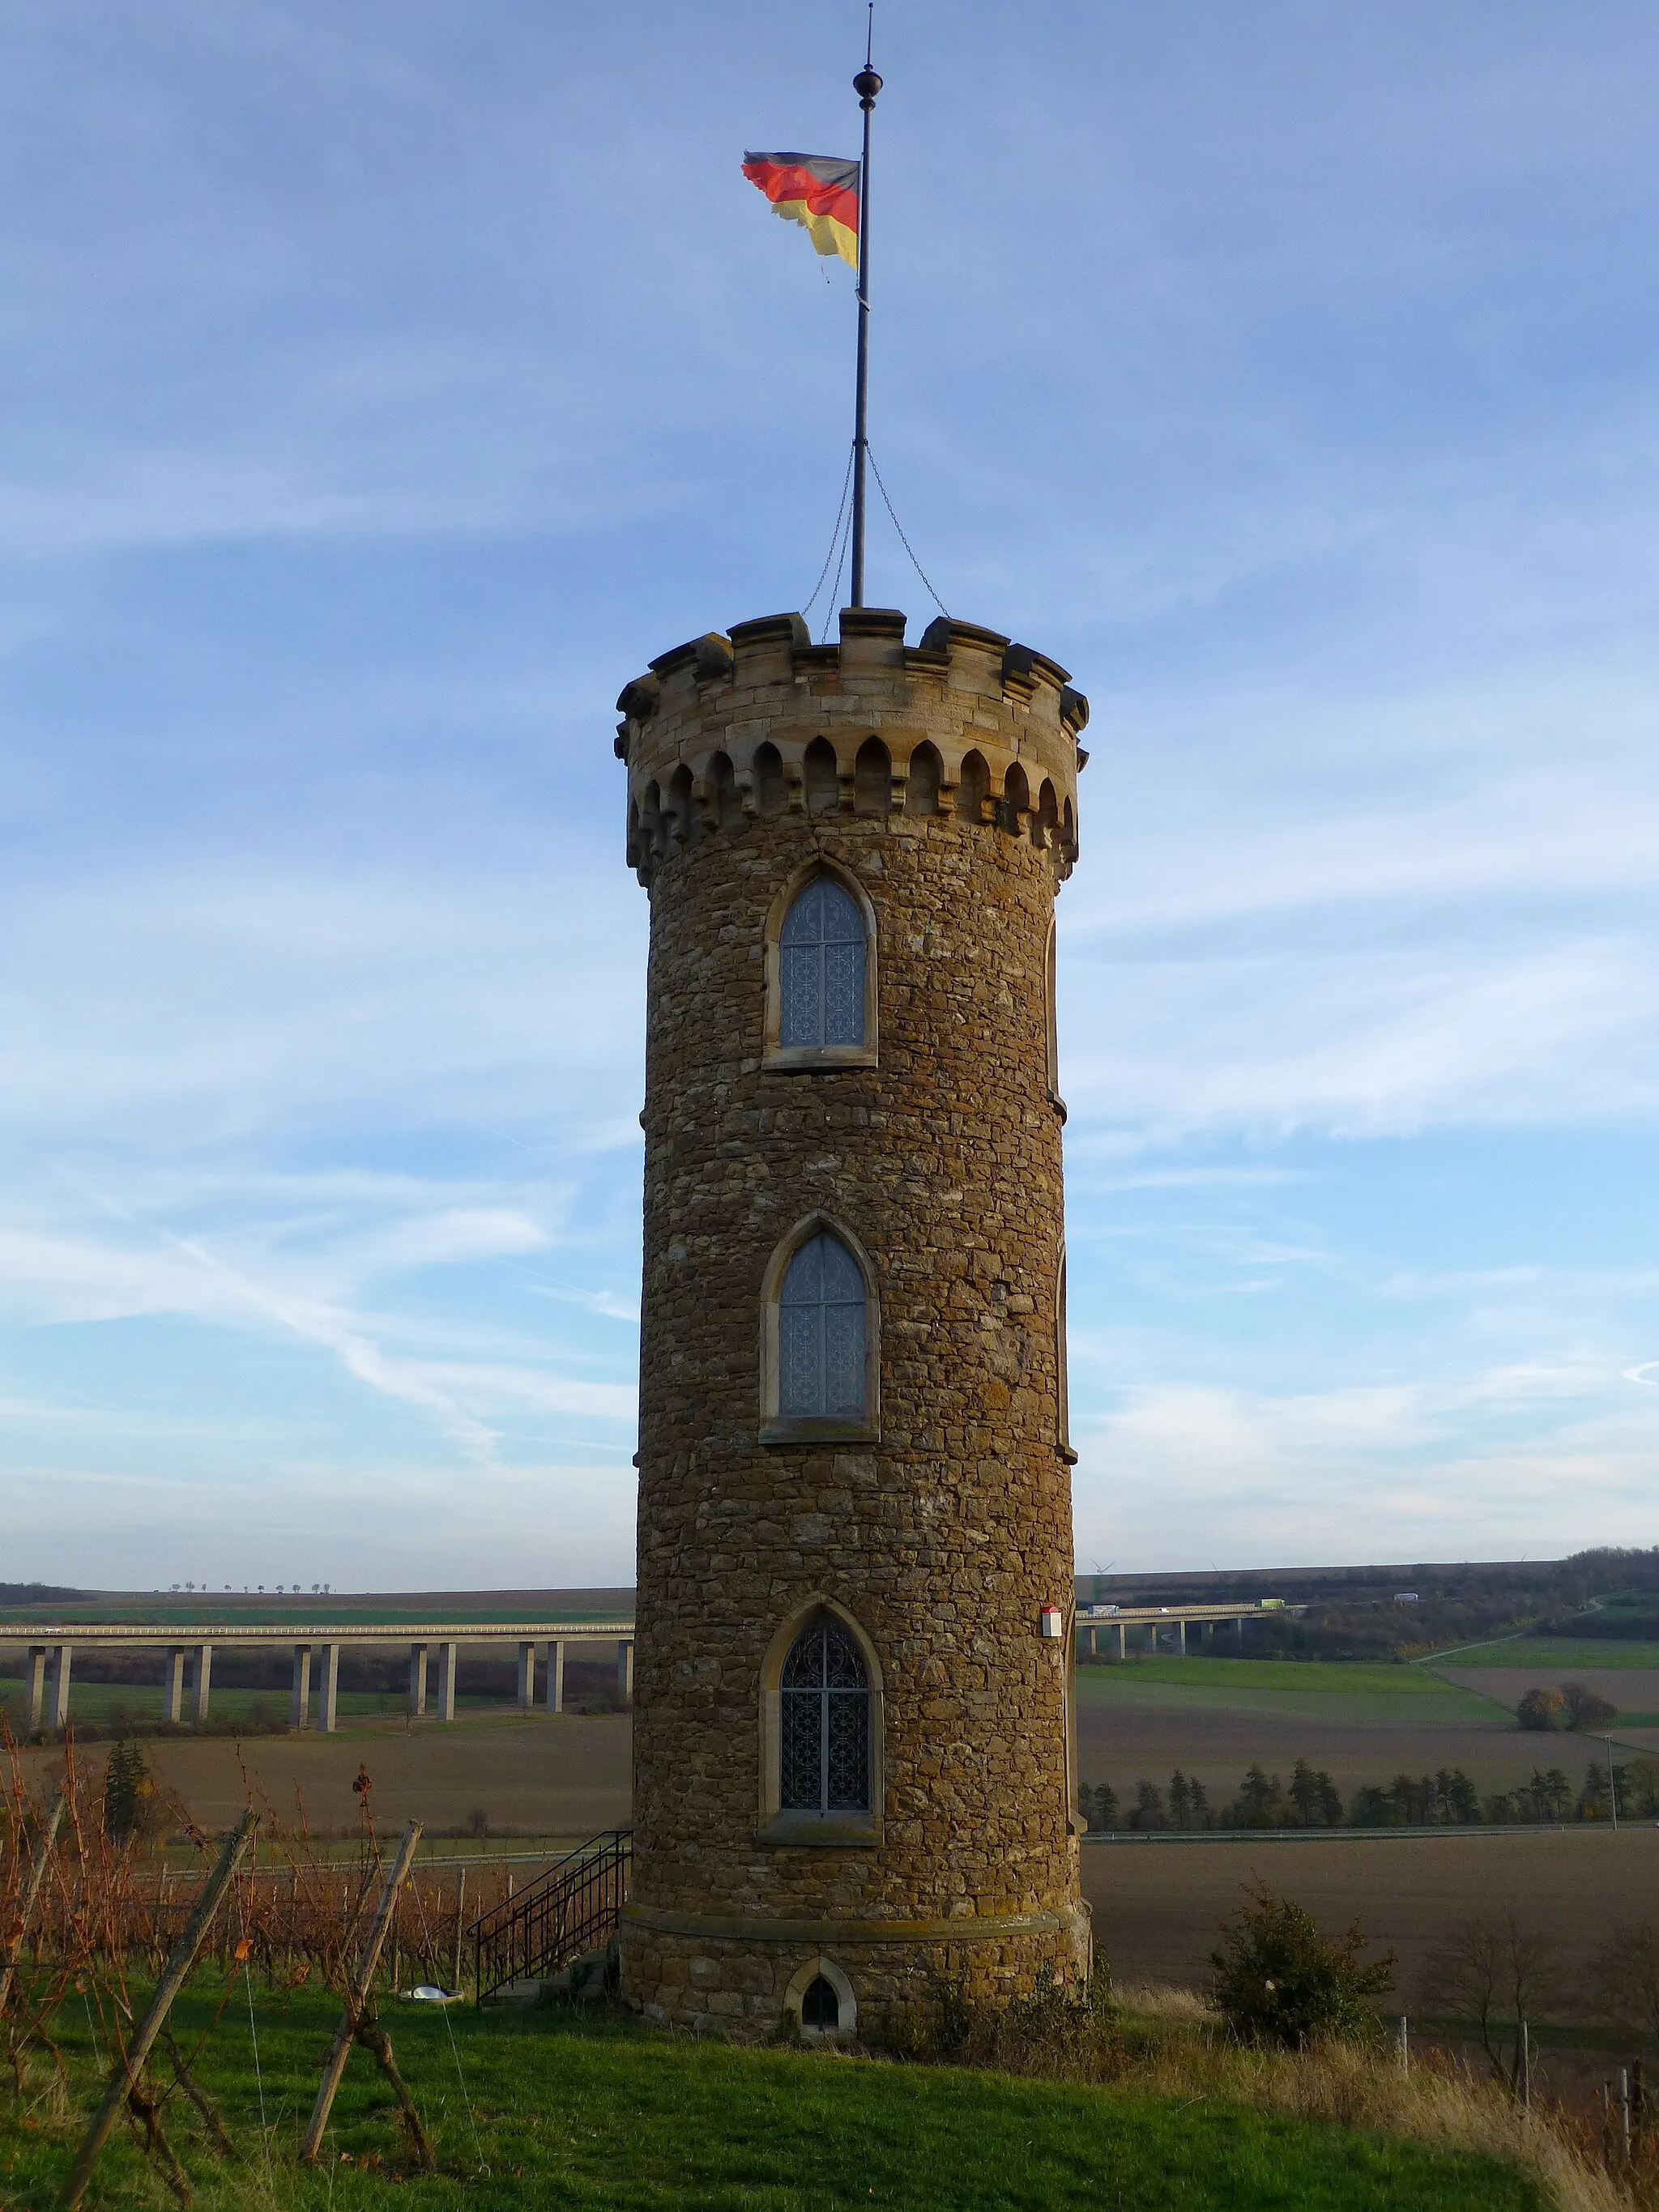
574	1907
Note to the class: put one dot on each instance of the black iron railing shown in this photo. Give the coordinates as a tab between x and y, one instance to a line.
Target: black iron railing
574	1907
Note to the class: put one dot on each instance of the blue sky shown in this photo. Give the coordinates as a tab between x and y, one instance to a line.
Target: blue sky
382	387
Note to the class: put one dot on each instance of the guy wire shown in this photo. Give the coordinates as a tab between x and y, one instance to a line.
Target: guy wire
835	535
904	541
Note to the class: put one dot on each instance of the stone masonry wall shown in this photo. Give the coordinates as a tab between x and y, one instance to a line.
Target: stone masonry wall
946	1536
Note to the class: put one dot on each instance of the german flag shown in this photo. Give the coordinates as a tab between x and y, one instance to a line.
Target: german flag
820	194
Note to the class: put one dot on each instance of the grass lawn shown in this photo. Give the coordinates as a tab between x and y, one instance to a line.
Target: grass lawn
96	1703
574	2113
1329	1689
1325	1677
301	1615
1567	1651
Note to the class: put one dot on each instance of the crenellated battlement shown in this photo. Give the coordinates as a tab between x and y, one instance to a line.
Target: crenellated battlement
967	727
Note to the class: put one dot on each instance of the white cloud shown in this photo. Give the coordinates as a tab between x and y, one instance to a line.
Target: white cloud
1186	1474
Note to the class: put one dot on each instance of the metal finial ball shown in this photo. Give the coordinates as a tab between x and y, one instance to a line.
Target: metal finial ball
867	84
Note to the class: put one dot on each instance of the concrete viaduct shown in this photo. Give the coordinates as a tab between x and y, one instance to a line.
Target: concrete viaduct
1094	1621
316	1659
187	1655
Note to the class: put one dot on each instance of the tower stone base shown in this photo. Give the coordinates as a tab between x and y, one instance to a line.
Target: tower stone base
744	1978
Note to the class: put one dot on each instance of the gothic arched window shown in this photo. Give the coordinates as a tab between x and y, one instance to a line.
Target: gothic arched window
820	1346
823	1335
821	968
821	994
824	1723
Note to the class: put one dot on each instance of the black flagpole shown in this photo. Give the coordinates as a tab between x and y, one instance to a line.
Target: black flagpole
867	84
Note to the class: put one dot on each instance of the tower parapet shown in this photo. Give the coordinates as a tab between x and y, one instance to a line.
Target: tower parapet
854	1773
966	724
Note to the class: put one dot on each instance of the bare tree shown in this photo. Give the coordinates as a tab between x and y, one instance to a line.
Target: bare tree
1495	1971
1625	1976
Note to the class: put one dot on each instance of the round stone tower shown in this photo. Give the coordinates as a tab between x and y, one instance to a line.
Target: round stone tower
854	1772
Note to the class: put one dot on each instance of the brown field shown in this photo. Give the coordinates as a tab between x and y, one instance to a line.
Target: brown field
1126	1731
1631	1689
564	1775
1157	1906
1120	1743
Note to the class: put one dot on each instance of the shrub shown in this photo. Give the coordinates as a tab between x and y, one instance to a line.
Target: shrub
1541	1710
131	1806
1625	1976
1586	1709
1057	2033
1496	1972
1279	1979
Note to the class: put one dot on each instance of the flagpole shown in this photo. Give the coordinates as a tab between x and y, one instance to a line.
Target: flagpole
867	84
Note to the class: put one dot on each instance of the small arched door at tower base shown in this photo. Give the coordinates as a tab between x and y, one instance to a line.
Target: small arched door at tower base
820	2001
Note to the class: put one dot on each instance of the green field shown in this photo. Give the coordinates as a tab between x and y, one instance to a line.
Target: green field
1322	1677
300	1617
537	2109
1540	1651
1337	1690
96	1704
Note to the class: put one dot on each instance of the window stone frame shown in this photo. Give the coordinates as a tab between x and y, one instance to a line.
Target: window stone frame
837	1831
846	2029
804	1058
780	1428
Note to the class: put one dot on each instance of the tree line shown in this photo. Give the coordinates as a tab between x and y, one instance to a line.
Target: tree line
1446	1799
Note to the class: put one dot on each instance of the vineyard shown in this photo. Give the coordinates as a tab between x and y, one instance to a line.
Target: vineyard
102	1914
178	2011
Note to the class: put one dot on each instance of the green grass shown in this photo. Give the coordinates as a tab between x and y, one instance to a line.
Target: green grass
575	2114
98	1702
299	1614
1324	1678
1567	1651
1332	1690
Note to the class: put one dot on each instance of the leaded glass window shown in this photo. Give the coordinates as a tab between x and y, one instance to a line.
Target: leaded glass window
826	1723
822	1334
821	955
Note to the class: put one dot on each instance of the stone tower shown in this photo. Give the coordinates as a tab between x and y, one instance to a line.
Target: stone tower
853	1765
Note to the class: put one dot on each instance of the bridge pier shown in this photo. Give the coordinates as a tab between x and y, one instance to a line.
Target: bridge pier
61	1654
1123	1641
298	1713
625	1671
328	1690
526	1678
556	1674
1180	1632
446	1681
35	1677
173	1686
203	1681
417	1680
